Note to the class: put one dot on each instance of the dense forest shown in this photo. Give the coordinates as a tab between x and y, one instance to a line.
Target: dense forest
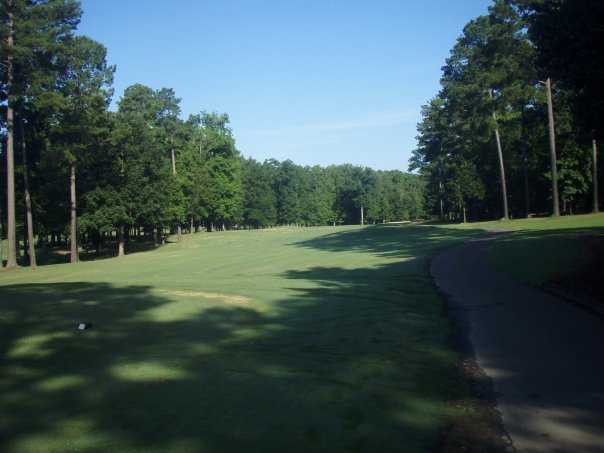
77	173
514	130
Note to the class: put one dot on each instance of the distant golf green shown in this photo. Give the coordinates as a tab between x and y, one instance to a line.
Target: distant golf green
318	339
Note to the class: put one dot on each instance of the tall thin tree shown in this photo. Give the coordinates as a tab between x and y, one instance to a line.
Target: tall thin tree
504	189
28	210
594	161
10	154
552	148
173	160
73	241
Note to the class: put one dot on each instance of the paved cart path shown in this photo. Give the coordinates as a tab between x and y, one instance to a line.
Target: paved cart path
544	356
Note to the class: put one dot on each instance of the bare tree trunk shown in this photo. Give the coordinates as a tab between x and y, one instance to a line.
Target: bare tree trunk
362	217
594	161
525	169
74	258
527	206
465	219
504	189
440	199
28	214
11	233
564	205
173	161
552	148
191	225
120	241
442	212
99	240
1	228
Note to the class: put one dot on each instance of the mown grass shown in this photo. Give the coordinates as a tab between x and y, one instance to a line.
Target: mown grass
319	339
539	250
316	339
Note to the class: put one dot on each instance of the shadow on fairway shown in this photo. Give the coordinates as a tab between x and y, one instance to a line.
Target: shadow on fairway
575	258
390	240
58	255
356	361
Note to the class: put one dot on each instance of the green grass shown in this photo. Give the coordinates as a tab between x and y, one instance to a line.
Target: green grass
319	339
541	249
315	339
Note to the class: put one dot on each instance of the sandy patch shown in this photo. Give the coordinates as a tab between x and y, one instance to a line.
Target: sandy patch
226	298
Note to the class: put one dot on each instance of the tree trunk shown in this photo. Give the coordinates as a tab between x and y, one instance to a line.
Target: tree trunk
504	189
1	229
191	225
564	205
362	217
465	219
440	189
527	206
74	258
552	148
24	241
525	168
173	161
120	241
28	213
179	231
11	232
97	247
155	237
594	161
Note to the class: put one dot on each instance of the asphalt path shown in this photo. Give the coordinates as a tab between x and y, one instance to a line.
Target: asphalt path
545	356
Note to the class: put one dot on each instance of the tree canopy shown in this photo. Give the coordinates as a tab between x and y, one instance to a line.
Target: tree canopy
492	89
100	177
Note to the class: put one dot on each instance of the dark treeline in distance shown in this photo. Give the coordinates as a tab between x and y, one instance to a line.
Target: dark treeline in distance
484	138
76	173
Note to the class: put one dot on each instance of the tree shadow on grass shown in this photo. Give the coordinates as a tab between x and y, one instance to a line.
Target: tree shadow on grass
575	260
410	311
391	240
60	254
351	360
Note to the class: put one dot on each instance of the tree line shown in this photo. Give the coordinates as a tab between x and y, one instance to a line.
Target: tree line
515	128
77	173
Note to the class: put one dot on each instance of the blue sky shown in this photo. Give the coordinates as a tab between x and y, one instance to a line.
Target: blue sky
318	82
